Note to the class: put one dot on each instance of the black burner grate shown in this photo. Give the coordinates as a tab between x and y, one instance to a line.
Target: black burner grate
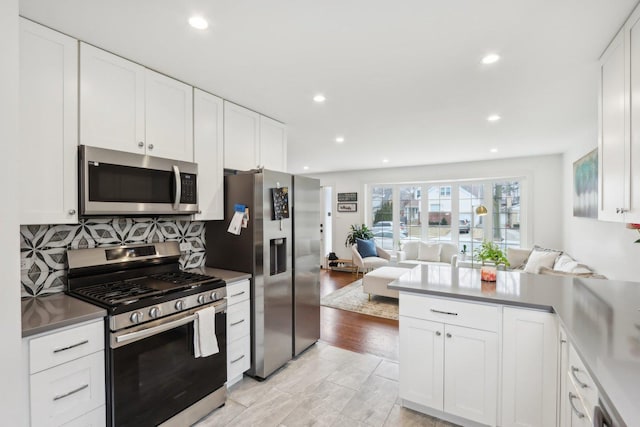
181	277
117	292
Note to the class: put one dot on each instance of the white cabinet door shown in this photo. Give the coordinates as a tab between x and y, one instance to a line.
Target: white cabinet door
471	374
111	101
241	137
169	117
273	144
613	138
48	125
208	134
563	401
421	362
632	32
529	368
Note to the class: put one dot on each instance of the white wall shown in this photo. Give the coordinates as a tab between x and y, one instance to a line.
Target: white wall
11	389
606	247
544	183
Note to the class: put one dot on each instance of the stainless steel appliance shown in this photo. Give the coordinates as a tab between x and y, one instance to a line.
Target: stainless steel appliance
264	249
306	262
153	377
119	183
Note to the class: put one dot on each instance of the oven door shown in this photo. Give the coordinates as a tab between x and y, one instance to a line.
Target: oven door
153	374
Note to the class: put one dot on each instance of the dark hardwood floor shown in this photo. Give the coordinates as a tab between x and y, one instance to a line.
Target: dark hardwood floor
354	331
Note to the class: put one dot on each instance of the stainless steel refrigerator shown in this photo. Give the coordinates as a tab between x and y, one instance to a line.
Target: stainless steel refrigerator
265	249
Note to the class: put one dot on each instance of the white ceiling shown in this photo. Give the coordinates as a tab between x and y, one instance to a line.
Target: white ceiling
403	79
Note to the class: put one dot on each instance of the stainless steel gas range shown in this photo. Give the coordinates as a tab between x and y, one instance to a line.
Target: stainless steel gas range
153	377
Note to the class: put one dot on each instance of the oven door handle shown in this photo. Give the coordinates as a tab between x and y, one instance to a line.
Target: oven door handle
178	187
155	330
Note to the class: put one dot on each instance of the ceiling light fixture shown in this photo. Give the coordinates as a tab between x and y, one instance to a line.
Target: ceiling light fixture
493	118
319	98
492	58
385	160
305	168
198	22
340	139
494	150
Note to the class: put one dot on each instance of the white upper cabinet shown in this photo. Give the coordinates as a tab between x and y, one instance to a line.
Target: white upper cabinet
208	153
48	125
241	137
111	101
253	141
126	107
169	117
273	144
619	120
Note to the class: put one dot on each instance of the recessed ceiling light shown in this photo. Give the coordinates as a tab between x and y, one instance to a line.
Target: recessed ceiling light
385	160
305	168
491	58
340	139
493	118
494	150
198	22
319	98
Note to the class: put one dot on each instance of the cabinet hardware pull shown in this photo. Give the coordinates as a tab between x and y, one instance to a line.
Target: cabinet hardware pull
62	396
150	146
573	374
72	211
58	350
578	413
563	341
438	333
140	144
236	295
448	335
238	359
450	313
237	323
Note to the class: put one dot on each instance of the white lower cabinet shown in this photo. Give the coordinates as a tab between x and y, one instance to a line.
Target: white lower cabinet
449	368
238	330
529	368
66	376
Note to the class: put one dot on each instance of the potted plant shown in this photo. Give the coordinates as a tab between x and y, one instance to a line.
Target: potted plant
490	252
463	253
358	232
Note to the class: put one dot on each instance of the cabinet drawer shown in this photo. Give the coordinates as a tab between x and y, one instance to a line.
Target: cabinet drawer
61	347
238	292
238	357
452	312
238	321
65	392
581	379
95	418
580	410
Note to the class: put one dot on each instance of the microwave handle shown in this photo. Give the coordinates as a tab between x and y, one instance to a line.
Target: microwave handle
176	174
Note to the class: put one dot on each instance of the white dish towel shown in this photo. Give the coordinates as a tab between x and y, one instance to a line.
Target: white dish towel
205	342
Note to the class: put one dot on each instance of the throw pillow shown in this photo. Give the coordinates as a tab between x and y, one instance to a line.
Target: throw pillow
565	263
429	252
517	257
366	248
540	258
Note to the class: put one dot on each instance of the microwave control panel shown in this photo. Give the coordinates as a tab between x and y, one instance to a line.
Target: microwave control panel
189	191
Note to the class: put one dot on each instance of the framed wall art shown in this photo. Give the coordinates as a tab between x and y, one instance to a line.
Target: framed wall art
347	207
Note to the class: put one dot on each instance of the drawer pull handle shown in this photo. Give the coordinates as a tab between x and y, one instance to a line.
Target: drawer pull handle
578	413
449	335
58	350
237	295
238	359
450	313
237	323
62	396
574	370
438	333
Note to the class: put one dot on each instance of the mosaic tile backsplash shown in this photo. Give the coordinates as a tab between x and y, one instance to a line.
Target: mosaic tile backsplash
44	247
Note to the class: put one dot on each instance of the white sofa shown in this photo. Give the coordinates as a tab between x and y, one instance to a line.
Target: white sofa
560	264
413	257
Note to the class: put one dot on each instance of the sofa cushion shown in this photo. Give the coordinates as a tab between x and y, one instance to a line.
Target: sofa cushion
552	272
517	257
565	264
366	248
429	252
539	258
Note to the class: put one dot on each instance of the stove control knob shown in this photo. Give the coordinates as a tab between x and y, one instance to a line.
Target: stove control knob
200	299
154	313
136	317
213	296
179	305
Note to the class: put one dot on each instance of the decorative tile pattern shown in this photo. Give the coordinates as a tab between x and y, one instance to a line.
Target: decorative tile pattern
44	247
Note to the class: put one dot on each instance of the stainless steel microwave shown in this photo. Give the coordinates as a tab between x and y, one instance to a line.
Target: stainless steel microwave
119	183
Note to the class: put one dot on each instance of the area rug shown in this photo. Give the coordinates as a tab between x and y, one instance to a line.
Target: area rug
351	298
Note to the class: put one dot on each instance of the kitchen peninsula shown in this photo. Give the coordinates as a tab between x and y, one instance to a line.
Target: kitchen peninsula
549	332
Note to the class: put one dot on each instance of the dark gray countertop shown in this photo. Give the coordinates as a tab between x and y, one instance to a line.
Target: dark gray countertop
226	275
46	313
601	317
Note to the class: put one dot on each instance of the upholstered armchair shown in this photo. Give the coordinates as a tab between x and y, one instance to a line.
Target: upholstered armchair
369	263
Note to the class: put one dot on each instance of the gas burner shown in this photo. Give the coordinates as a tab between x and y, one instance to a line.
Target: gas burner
117	292
181	277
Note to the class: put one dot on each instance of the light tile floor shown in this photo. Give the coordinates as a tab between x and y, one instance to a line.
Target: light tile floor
325	386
